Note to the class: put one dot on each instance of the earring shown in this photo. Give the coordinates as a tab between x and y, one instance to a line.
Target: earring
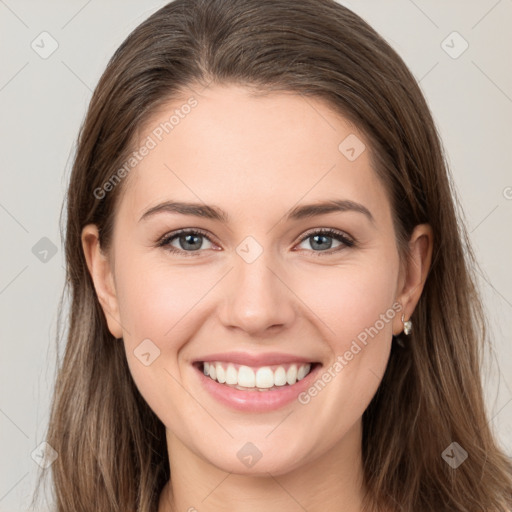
407	326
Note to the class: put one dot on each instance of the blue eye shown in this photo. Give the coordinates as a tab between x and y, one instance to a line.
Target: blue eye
187	239
193	239
320	236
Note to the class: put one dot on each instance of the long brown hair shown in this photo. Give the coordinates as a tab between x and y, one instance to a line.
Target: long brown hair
111	447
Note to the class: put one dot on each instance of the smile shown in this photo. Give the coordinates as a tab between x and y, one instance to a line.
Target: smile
264	378
255	389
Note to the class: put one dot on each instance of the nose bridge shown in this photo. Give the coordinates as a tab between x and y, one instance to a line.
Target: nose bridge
257	297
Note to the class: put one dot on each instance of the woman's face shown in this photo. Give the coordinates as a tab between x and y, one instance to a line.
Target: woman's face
254	278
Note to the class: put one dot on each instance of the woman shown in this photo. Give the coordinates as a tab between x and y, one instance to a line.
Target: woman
273	304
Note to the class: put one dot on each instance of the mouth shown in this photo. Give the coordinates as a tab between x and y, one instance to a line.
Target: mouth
256	379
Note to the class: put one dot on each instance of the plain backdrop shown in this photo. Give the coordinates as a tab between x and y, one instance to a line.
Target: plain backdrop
467	80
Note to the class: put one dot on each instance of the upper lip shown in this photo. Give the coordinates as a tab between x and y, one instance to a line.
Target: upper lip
244	358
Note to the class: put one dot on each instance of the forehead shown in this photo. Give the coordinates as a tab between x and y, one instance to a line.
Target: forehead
250	154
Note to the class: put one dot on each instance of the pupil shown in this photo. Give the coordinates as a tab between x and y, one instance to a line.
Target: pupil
188	239
315	237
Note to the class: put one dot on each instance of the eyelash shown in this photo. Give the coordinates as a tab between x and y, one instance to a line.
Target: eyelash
329	232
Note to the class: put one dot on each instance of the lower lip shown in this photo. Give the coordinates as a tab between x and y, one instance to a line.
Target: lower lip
257	401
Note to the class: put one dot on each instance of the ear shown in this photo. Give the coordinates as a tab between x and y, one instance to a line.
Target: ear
102	275
414	273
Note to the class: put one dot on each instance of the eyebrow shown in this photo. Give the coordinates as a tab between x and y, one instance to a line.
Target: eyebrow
297	213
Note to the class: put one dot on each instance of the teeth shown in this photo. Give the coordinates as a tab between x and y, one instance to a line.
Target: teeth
280	377
231	375
263	378
221	374
246	377
301	372
291	375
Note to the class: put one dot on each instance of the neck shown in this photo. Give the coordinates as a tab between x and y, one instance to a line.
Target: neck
331	482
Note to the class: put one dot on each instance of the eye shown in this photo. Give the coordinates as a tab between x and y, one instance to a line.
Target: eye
320	240
187	239
190	241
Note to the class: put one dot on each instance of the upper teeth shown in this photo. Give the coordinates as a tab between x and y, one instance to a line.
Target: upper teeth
264	377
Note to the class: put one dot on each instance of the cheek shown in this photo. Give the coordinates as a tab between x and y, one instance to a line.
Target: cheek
355	303
350	299
157	303
159	306
155	298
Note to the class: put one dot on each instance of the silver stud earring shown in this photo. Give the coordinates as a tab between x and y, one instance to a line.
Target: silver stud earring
407	326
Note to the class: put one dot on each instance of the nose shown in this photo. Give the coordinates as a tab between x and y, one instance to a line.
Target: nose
256	298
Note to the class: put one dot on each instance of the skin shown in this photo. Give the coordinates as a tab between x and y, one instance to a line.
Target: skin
256	158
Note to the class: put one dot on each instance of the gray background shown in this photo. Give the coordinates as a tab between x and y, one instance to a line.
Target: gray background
42	104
